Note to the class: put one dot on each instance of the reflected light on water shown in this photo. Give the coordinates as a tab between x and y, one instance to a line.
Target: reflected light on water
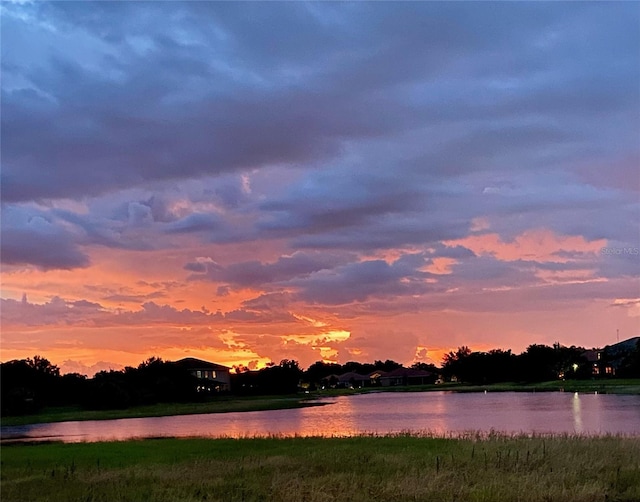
439	413
577	413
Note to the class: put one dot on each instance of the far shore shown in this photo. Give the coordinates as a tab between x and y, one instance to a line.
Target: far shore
226	404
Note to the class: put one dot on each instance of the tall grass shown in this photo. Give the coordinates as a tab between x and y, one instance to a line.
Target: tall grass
492	468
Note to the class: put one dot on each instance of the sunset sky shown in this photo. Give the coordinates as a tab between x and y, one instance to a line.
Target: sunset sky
248	182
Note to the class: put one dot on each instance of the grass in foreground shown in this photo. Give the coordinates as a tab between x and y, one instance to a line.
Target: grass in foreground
398	468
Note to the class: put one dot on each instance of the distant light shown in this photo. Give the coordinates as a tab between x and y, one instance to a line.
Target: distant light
575	366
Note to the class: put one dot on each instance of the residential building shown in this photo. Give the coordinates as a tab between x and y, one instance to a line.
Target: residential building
211	377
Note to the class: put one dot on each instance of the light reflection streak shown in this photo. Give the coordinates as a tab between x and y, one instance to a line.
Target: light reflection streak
577	413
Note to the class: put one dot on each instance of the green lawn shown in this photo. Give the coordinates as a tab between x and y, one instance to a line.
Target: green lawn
359	469
622	386
613	386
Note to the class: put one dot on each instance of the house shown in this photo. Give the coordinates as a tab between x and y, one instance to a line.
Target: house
353	380
212	377
375	377
330	381
607	361
406	376
593	358
614	355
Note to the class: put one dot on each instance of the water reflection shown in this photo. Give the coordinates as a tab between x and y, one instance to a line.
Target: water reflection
577	413
376	413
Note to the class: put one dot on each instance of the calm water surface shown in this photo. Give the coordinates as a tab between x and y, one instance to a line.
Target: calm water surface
381	413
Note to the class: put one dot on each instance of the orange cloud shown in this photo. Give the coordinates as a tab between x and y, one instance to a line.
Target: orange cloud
535	245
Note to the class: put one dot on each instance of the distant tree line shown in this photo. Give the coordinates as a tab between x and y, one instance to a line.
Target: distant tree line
28	385
287	377
321	374
539	363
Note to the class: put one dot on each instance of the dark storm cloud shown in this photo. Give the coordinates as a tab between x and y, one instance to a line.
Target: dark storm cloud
398	124
332	200
130	116
46	250
360	281
269	302
196	222
490	272
250	85
197	267
258	274
31	238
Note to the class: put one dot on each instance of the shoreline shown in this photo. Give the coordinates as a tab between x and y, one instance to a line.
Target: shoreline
229	404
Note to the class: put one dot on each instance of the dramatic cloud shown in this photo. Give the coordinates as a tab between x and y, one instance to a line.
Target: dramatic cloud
29	237
313	180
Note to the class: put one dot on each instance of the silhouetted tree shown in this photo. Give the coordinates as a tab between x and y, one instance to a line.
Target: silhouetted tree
317	374
540	363
453	363
426	367
360	368
283	378
537	364
70	389
388	365
153	381
27	385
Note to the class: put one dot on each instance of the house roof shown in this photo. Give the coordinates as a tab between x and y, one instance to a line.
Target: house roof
351	375
407	372
623	346
192	363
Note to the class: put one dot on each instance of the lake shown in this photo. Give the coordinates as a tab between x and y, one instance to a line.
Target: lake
441	413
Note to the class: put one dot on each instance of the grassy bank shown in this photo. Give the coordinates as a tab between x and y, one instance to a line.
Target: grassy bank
221	404
400	468
618	386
